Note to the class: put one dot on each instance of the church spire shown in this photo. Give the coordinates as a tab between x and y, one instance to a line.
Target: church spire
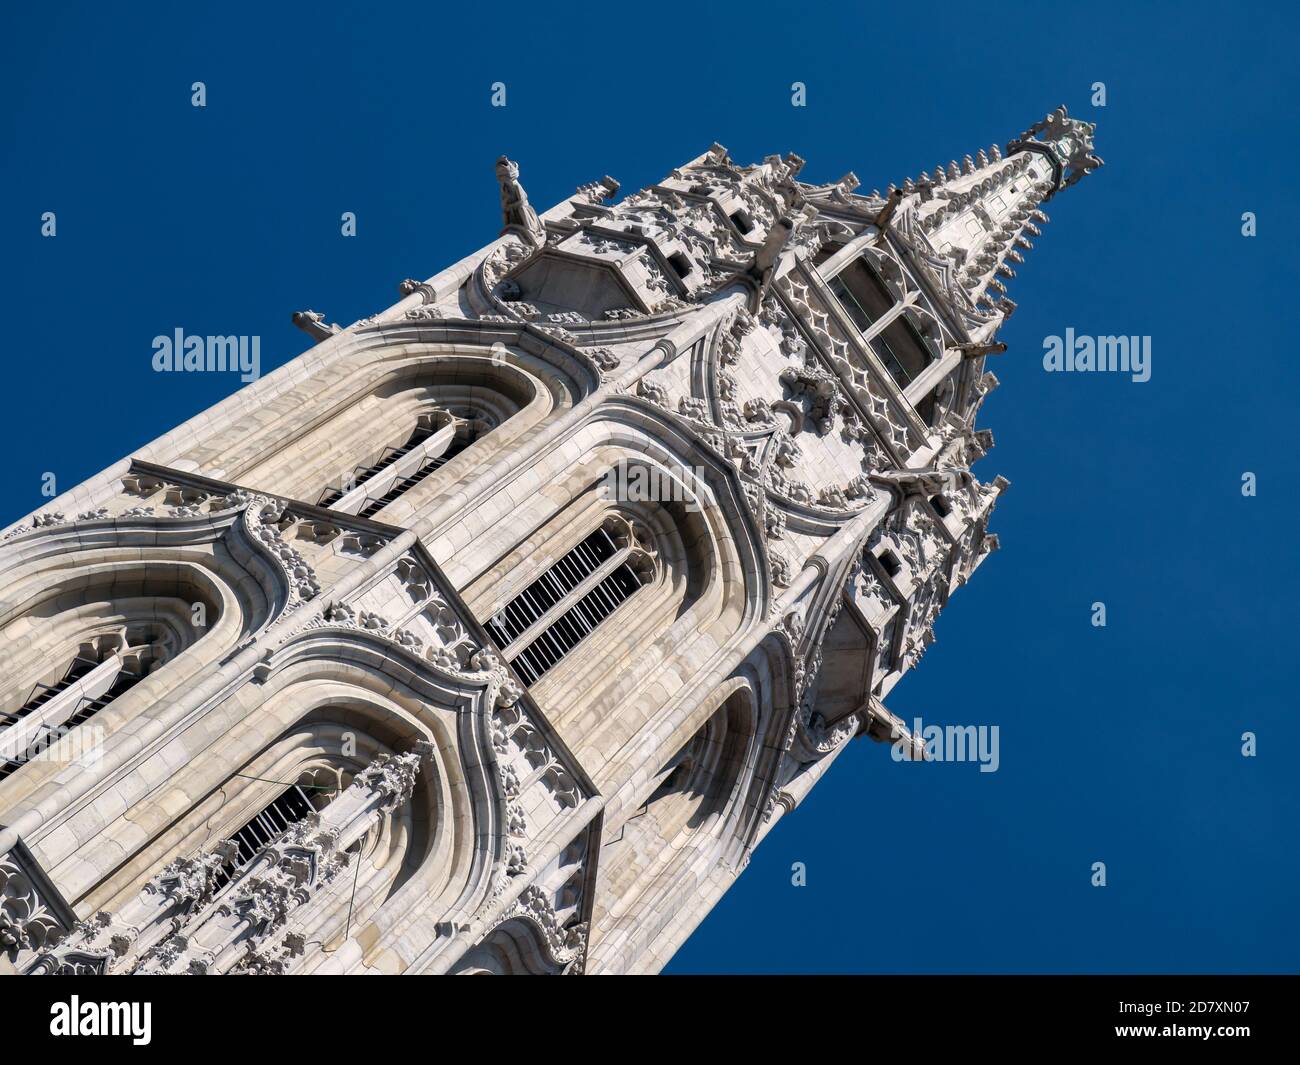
981	213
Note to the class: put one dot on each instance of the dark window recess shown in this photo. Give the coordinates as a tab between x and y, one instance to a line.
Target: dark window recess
680	264
941	506
741	220
407	483
290	808
575	624
88	709
865	300
570	571
826	252
42	694
861	317
890	562
362	474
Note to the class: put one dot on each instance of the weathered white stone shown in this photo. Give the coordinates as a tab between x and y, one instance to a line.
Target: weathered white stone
727	423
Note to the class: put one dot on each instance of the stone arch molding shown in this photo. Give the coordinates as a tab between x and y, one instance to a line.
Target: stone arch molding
703	574
520	777
156	598
382	395
490	777
201	914
229	534
527	940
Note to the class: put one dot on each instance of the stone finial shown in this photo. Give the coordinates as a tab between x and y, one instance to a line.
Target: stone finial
599	191
1066	141
394	776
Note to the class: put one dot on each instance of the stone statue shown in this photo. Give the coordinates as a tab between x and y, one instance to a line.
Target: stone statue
516	211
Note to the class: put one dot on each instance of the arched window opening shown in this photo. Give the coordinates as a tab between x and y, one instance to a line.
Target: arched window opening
291	855
384	424
564	606
827	251
674	775
438	437
103	668
866	300
292	805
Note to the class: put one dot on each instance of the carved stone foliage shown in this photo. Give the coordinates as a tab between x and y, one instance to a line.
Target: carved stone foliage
518	739
887	414
428	627
261	516
263	519
566	946
168	499
29	920
779	569
606	360
97	946
499	262
532	777
761	436
821	391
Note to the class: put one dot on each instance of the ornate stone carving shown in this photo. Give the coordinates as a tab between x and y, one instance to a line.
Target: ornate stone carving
516	211
566	945
260	516
314	325
28	922
779	569
189	919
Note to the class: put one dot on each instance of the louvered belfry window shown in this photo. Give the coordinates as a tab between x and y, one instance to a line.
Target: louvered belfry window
411	468
563	606
14	756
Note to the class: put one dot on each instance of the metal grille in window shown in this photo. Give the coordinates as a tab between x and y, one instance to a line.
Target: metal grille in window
548	593
288	809
43	694
527	608
576	624
362	474
405	484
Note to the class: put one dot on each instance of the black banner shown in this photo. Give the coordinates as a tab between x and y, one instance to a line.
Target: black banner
1231	1014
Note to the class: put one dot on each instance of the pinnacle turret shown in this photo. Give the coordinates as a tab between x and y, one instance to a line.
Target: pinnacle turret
980	213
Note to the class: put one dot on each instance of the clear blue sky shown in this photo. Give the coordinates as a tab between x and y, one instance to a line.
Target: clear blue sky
1120	744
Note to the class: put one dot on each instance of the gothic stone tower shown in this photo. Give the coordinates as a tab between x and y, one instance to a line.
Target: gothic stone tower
494	632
